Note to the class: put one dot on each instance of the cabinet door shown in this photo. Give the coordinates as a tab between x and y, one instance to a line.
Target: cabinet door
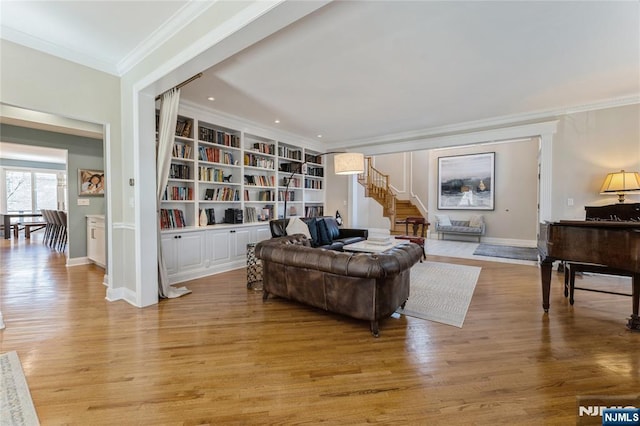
191	250
218	244
170	252
262	233
99	251
239	240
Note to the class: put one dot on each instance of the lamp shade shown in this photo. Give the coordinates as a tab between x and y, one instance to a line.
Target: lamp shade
348	163
621	182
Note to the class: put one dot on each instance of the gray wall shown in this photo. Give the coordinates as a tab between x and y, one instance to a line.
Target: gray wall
85	153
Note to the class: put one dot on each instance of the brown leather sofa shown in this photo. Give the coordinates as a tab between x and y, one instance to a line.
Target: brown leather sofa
324	230
361	285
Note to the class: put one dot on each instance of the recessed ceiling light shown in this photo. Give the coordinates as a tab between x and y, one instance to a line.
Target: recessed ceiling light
211	98
319	136
277	121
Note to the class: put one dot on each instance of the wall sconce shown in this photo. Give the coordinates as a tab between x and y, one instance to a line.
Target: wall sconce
620	183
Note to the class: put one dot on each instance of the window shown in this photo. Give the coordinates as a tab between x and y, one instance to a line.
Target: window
31	191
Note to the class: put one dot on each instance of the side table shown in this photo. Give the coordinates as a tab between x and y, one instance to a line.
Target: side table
254	268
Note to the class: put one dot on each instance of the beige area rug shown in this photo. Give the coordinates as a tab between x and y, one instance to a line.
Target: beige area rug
16	406
441	292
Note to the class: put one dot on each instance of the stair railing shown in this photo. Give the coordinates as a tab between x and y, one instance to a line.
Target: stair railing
377	186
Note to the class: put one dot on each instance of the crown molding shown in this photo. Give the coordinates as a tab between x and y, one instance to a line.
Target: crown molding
223	119
483	125
53	49
183	17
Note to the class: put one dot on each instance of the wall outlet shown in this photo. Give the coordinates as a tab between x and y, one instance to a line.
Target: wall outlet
84	201
570	202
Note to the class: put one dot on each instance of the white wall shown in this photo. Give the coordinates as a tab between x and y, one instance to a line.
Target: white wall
589	145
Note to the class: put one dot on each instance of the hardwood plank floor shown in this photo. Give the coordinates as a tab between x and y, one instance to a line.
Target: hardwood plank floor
222	356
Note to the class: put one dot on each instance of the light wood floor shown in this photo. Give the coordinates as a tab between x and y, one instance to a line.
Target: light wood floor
222	356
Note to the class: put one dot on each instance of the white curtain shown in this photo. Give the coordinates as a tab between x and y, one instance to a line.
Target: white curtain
166	133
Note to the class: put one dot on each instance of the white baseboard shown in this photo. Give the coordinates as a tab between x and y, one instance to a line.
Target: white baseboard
121	293
77	261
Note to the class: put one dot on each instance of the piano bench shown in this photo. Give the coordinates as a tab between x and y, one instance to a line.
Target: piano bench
572	268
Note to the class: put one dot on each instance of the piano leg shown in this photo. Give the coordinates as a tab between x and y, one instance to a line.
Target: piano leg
545	277
634	321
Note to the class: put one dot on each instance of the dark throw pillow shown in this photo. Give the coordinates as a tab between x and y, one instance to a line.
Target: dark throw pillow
324	235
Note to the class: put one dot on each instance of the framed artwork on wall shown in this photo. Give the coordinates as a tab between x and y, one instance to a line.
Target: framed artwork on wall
466	182
90	182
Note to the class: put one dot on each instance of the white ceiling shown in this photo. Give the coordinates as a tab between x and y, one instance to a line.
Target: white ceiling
362	70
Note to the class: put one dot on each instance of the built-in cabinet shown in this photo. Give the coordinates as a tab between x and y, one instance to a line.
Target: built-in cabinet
96	249
191	253
225	183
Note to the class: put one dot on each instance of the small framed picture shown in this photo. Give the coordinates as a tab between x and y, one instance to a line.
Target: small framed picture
90	182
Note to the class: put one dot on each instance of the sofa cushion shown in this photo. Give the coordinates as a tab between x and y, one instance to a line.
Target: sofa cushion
443	220
325	236
297	226
476	221
332	227
313	230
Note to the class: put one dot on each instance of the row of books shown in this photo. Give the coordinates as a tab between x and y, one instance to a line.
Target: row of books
290	195
172	218
178	193
260	180
180	171
183	127
218	136
260	196
295	182
294	154
310	158
215	155
181	150
290	167
251	214
258	161
313	184
315	171
313	211
265	148
209	174
222	194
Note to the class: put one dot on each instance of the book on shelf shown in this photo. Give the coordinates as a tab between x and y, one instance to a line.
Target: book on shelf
291	153
255	160
172	218
179	171
219	137
265	148
181	150
250	214
178	193
183	127
313	211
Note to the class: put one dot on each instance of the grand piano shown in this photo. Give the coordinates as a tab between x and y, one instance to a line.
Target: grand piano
609	237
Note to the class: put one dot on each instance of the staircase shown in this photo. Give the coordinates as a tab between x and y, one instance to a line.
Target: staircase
404	209
376	186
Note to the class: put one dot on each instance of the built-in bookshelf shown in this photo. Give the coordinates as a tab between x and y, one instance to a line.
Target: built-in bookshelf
223	172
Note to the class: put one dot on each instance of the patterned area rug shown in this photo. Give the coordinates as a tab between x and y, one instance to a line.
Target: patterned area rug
441	292
16	406
508	252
